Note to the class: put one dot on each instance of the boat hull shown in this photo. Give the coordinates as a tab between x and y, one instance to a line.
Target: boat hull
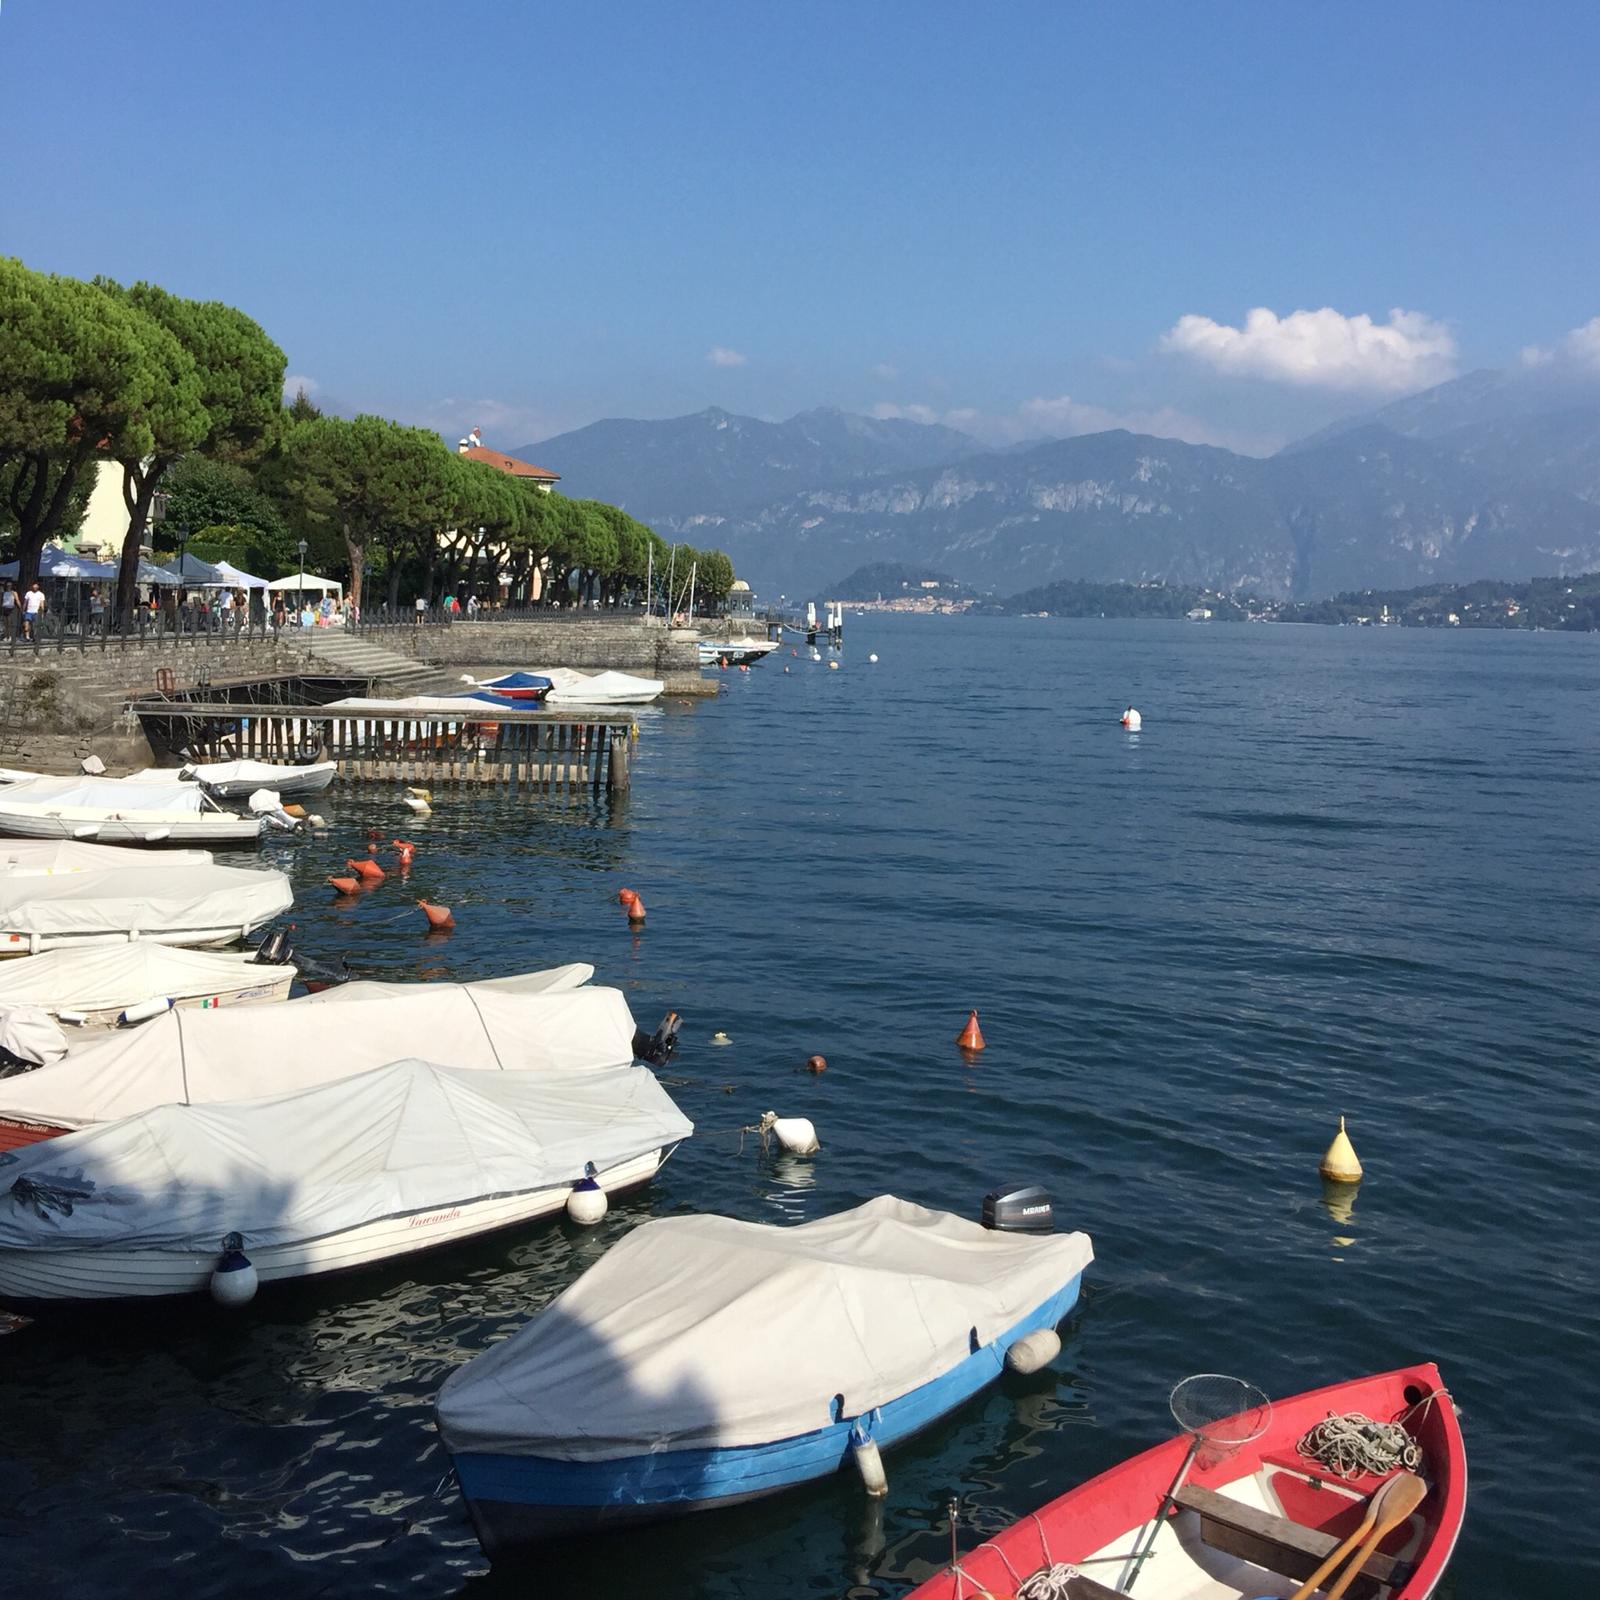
102	1273
1101	1522
14	943
289	785
263	990
186	828
519	1501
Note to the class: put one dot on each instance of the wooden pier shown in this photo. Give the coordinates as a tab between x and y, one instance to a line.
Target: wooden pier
536	752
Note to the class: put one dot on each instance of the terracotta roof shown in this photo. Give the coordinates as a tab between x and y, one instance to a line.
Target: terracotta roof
505	463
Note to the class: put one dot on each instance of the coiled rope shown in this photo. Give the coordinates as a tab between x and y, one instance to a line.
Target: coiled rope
1353	1445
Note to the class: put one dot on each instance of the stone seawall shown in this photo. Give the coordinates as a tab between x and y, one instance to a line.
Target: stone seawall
592	646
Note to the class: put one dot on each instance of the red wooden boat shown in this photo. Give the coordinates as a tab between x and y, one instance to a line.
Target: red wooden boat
1253	1521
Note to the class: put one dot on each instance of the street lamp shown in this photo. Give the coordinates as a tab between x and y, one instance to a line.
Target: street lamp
301	546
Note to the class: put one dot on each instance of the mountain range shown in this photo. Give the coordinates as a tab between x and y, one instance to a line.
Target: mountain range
1490	475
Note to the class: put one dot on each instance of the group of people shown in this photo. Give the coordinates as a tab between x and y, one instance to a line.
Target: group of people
22	611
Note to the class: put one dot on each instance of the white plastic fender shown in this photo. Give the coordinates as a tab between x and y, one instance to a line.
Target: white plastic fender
145	1009
795	1134
868	1462
872	657
1131	720
1033	1352
234	1281
587	1203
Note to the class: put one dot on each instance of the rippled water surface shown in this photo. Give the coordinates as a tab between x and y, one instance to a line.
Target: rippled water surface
1339	871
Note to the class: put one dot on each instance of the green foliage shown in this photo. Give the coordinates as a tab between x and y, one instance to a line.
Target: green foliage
203	494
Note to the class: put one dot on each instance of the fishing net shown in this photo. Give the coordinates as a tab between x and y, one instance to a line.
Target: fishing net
1222	1413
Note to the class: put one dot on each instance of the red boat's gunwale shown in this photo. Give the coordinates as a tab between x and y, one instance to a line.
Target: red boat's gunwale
16	1135
1125	1496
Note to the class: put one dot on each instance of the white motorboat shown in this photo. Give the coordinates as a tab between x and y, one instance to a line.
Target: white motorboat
178	904
736	652
42	858
115	811
110	984
193	1057
406	1157
569	687
238	780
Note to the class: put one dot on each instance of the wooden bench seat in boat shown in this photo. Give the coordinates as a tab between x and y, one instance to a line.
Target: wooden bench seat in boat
1278	1544
1082	1587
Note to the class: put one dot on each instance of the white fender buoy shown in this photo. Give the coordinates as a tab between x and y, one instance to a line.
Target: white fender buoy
1033	1352
1131	720
794	1134
587	1203
145	1009
833	666
234	1280
872	657
868	1462
816	655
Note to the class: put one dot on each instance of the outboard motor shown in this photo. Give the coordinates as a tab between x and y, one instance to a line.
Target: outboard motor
275	950
657	1047
1018	1208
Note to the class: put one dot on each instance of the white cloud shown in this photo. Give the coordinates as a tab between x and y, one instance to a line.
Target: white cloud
1579	348
1322	349
884	372
885	412
719	355
295	382
505	424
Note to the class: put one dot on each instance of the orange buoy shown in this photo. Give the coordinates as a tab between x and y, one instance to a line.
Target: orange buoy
970	1037
369	871
406	850
635	908
372	833
295	811
817	1064
439	918
345	885
624	896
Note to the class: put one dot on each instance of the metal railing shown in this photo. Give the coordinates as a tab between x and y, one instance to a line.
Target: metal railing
56	633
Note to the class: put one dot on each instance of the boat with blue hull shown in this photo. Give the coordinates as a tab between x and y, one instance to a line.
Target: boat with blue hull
681	1374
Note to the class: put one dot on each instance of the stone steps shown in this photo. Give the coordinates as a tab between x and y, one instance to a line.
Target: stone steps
351	656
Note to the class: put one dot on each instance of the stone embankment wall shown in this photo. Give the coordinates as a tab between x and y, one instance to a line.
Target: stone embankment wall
80	692
590	646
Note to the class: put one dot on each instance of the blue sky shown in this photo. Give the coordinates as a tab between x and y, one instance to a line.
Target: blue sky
1022	218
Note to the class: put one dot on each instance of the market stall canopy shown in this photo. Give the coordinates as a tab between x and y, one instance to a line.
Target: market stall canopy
198	574
307	583
239	579
54	562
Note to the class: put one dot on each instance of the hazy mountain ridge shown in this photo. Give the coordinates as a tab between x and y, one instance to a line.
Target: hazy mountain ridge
1490	475
696	471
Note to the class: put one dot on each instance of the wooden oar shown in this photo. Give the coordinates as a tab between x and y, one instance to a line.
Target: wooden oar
1386	1510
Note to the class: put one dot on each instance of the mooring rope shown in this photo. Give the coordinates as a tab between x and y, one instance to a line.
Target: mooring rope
1352	1445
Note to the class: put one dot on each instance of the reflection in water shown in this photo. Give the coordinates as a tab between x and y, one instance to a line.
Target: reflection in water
1339	1199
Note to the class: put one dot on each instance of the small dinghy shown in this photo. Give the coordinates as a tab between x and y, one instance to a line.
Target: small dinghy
238	780
735	652
704	1361
566	686
108	985
42	858
529	1023
408	1157
116	811
530	687
179	905
1358	1489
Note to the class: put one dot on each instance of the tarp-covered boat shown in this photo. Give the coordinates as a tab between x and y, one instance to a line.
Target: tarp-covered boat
1256	1520
115	811
703	1361
177	904
236	1053
568	686
529	686
238	780
107	984
404	1158
43	857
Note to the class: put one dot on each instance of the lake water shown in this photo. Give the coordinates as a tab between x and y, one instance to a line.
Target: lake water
1339	871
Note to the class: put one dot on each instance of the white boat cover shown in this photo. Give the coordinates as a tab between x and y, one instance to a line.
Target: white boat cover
115	976
429	704
568	687
239	774
241	1052
30	1033
701	1332
41	857
106	794
410	1136
550	981
150	899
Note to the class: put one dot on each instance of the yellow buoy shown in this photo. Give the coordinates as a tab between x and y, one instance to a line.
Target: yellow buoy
1340	1164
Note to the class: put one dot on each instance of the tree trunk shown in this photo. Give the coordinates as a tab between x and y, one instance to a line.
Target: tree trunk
39	506
138	491
356	550
394	585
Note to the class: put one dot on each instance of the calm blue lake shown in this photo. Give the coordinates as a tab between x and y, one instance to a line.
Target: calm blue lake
1339	871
